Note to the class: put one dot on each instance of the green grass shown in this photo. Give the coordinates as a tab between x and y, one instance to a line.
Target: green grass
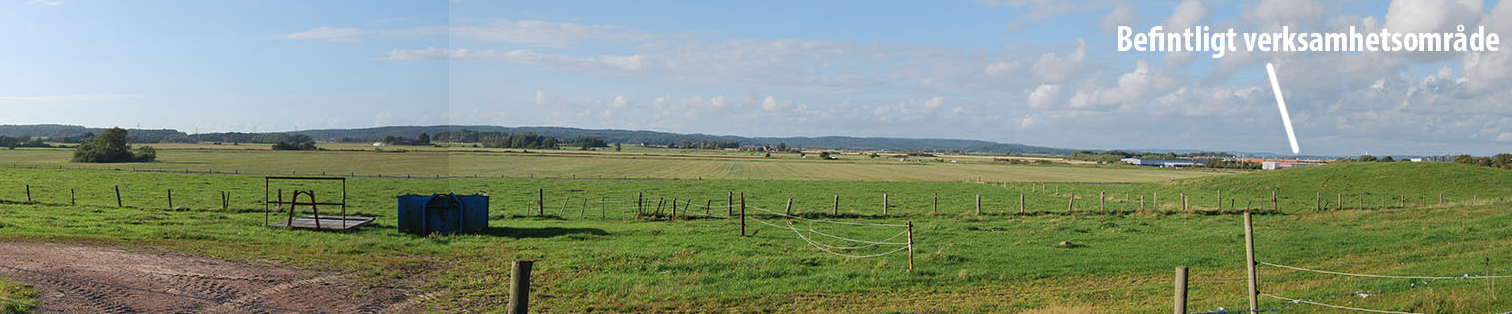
965	263
17	297
661	164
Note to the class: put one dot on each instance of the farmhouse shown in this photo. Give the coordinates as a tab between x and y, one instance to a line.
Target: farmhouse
1163	163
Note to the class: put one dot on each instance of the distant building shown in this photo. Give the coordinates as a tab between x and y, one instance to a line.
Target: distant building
1164	163
1273	165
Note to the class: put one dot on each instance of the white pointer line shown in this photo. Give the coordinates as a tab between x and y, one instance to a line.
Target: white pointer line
1281	102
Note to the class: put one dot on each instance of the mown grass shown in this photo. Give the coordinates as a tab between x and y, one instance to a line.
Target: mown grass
657	164
965	263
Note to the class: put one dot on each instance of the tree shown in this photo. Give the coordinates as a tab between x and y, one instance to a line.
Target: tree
616	147
1387	159
111	146
1367	158
1464	159
294	146
782	147
389	139
423	138
1502	160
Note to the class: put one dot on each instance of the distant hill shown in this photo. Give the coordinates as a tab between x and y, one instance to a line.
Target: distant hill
663	138
59	132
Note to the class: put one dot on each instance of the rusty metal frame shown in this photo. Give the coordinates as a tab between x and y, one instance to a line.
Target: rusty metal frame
294	200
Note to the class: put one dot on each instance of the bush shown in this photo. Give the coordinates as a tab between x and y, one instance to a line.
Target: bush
111	146
310	145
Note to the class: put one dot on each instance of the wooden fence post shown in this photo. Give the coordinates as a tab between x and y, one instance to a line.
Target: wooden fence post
1021	203
1102	201
170	199
707	204
786	210
836	210
1275	203
1341	201
1181	290
742	214
1071	202
1220	199
1141	203
674	211
934	204
730	204
541	202
910	246
884	204
979	205
519	287
1249	254
28	193
71	199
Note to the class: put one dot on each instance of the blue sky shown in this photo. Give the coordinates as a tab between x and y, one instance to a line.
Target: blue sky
1018	71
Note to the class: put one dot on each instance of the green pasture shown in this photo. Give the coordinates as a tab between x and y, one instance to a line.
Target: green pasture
594	255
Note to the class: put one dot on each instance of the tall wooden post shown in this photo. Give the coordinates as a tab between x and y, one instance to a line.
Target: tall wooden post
1155	200
28	193
1220	199
787	210
836	210
1341	201
118	196
910	246
541	202
71	199
1071	202
730	204
519	287
1184	202
742	214
979	204
674	211
884	204
934	204
170	199
1102	201
1181	290
1249	256
707	205
1021	203
1141	203
1275	203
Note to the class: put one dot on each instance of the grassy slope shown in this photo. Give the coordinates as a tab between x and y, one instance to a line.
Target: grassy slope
991	263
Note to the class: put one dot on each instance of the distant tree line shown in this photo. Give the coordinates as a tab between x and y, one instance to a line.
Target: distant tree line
11	142
706	144
1502	160
239	137
308	145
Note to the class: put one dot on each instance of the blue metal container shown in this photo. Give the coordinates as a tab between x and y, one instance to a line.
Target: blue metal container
443	214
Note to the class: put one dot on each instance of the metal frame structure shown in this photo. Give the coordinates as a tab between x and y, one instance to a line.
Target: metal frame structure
293	201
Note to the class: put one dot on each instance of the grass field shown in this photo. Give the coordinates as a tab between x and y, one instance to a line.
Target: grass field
592	257
637	163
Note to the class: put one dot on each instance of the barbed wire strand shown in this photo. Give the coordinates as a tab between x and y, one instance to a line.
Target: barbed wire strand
1377	276
820	246
1334	306
827	221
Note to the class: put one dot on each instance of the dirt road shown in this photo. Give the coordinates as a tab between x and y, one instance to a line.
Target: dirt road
105	279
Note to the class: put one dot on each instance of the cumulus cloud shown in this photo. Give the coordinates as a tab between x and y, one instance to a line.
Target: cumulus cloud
1122	15
329	33
1186	15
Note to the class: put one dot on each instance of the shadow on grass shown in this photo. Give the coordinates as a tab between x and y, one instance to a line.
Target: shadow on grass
547	232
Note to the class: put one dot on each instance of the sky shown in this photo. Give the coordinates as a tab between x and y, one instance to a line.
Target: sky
1015	71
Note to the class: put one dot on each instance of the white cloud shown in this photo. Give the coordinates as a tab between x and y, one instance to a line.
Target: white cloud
999	69
1122	15
329	33
1187	14
1054	68
547	34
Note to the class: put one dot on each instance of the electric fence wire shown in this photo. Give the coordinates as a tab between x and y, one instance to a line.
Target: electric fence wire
1466	276
822	246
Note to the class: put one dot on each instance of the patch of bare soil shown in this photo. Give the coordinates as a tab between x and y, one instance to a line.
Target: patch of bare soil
105	279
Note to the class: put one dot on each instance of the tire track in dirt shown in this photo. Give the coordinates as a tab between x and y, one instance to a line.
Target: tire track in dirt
106	279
